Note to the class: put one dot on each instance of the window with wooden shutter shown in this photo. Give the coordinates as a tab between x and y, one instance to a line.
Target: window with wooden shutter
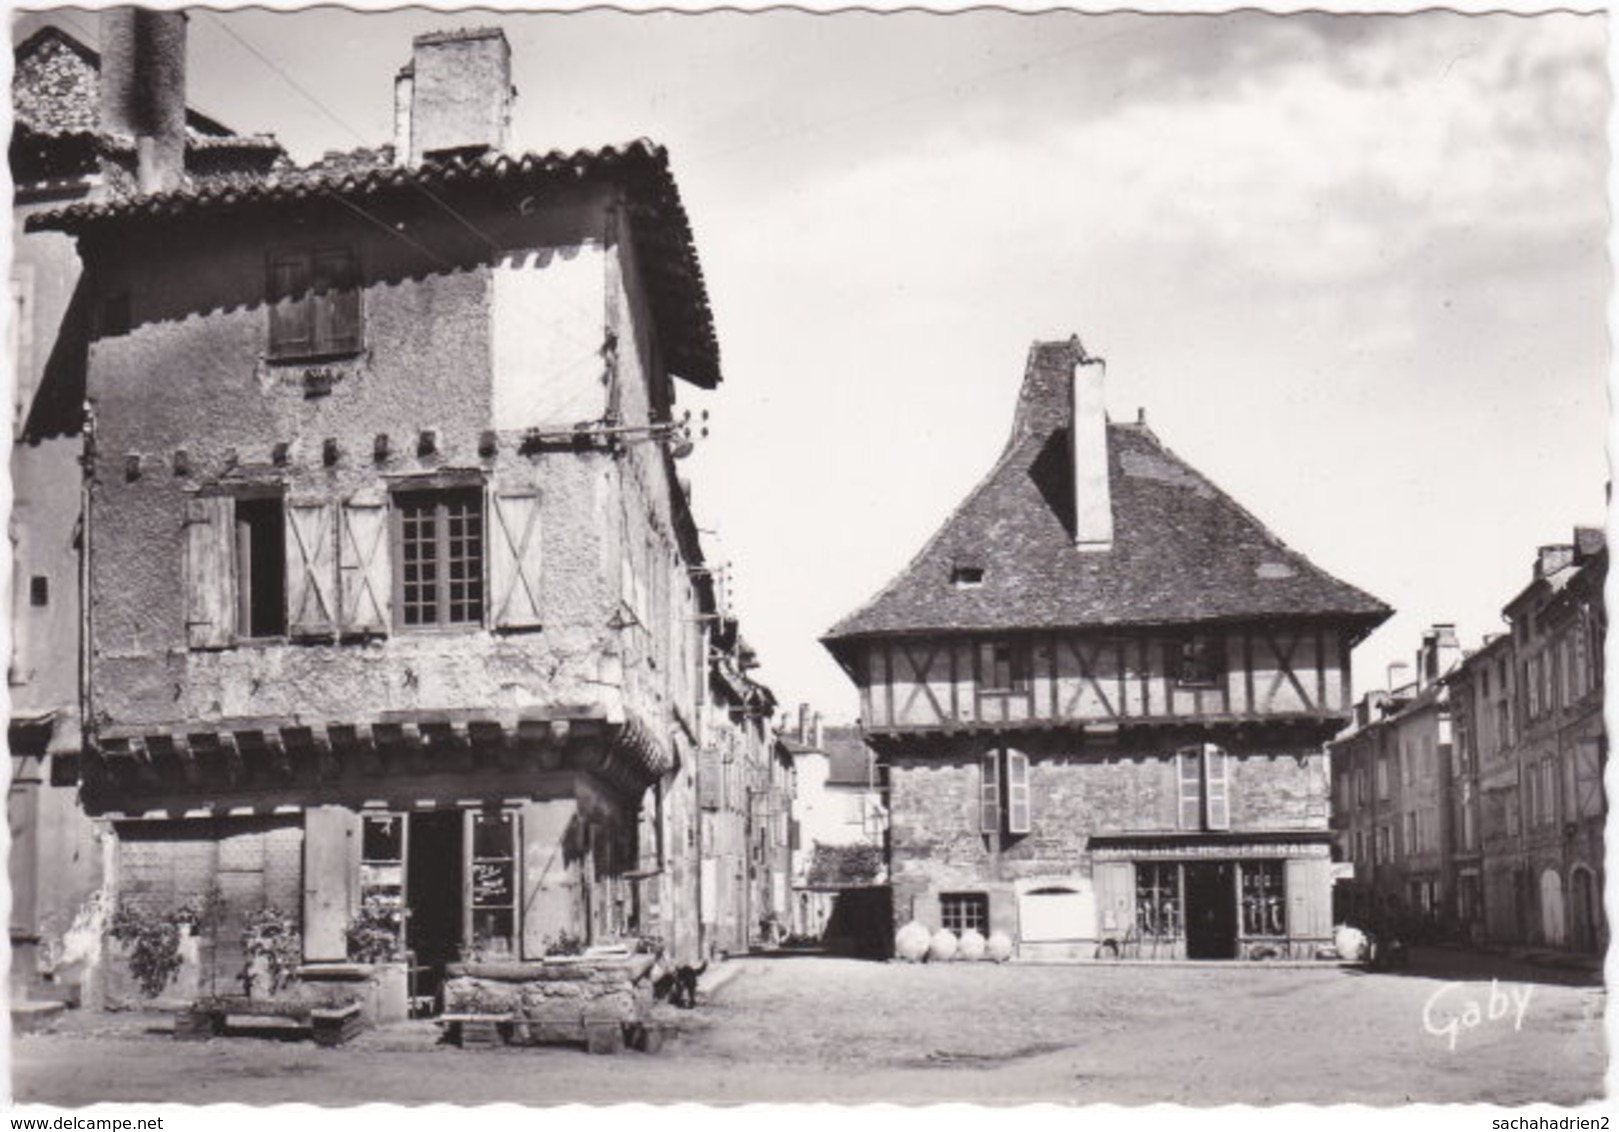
989	793
210	574
1216	769
365	578
314	301
1191	787
1017	792
311	570
514	559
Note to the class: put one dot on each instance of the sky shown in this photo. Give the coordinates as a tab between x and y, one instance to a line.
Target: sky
1353	269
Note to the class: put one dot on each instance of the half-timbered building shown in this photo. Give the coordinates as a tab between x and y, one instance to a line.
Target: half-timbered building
395	607
1101	692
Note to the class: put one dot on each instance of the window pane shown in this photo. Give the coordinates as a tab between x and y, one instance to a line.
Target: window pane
383	838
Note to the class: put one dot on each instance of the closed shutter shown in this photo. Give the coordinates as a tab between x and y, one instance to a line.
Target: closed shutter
1191	787
708	780
1309	898
210	572
292	331
364	581
1218	768
514	560
1115	885
989	793
1017	792
335	299
331	880
311	570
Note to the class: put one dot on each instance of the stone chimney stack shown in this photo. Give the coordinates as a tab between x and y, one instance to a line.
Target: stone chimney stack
459	90
1093	498
1552	559
143	90
404	91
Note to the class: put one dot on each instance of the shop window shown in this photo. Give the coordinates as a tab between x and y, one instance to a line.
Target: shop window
1004	793
492	893
959	911
1158	900
1264	910
1003	667
1205	788
440	542
382	868
314	300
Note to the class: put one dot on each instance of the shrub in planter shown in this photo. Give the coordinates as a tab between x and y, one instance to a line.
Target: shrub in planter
275	949
911	942
376	934
151	942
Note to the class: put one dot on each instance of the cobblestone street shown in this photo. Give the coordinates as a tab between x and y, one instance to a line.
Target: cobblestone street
811	1029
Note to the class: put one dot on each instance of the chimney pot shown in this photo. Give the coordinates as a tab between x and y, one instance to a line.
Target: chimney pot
456	94
143	90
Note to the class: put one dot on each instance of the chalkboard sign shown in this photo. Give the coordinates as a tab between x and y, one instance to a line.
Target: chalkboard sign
491	883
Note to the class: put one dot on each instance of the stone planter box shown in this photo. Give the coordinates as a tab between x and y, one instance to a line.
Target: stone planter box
598	1000
382	989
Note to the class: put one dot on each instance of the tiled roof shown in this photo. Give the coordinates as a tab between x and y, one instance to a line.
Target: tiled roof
662	231
1183	551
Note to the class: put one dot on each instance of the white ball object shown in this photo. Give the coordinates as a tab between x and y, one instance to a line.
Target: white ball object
911	942
943	946
972	944
1351	943
998	947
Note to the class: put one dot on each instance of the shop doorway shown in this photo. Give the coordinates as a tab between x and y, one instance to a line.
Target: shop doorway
1211	910
433	888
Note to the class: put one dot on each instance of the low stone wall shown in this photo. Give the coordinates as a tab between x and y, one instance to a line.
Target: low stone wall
555	999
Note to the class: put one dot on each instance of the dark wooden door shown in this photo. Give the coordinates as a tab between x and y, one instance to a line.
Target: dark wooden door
1211	910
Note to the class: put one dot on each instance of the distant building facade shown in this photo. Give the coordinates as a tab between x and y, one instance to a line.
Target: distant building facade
1528	709
1101	693
841	821
1404	812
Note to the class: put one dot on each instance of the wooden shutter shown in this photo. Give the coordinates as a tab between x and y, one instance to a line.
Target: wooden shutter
1217	779
1017	792
1308	894
335	302
331	880
989	793
363	578
514	560
708	780
210	572
1115	885
311	570
1191	787
292	332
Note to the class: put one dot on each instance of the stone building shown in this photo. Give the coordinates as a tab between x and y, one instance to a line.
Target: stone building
841	820
1528	709
1404	811
1101	692
74	139
394	600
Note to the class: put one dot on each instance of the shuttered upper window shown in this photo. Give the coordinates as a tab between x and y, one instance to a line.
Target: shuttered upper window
314	300
1003	800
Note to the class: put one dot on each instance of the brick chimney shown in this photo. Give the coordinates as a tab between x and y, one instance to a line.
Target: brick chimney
1552	559
1439	653
458	91
1093	496
143	90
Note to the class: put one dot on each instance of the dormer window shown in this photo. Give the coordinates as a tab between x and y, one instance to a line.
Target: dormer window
967	577
1200	661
